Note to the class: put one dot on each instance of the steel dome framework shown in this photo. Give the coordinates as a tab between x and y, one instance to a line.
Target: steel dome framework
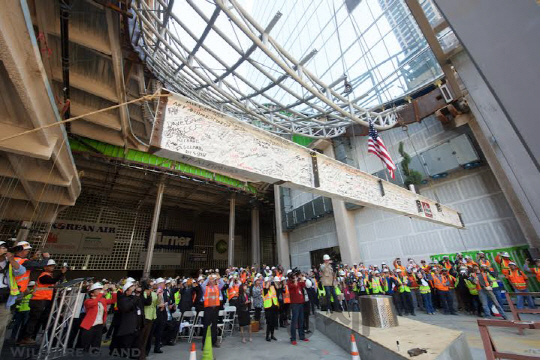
183	61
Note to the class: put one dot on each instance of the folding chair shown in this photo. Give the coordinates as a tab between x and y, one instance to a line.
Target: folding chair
228	319
186	324
197	325
221	325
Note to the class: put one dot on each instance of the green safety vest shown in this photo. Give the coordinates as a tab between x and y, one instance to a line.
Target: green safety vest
338	291
108	295
321	293
375	286
13	287
403	287
24	305
177	298
424	289
472	287
494	280
270	298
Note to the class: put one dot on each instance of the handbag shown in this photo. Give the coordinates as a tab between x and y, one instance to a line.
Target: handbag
255	326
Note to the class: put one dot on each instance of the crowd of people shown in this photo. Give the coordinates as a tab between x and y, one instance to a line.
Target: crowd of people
147	313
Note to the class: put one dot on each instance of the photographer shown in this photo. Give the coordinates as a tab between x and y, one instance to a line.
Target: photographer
38	262
9	270
296	285
327	278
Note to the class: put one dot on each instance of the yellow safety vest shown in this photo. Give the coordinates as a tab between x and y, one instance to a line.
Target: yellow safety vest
24	305
13	287
270	298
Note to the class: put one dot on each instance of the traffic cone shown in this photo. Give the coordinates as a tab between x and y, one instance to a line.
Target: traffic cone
354	350
207	350
193	352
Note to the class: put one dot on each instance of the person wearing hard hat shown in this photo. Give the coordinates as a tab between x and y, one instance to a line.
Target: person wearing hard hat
37	262
41	301
131	310
484	285
96	316
519	280
328	278
503	259
212	297
150	303
10	269
271	307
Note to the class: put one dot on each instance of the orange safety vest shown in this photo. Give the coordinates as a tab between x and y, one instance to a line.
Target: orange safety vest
413	284
43	291
211	296
403	270
486	263
286	295
536	271
439	282
22	280
243	277
447	265
518	279
478	287
452	281
232	292
505	268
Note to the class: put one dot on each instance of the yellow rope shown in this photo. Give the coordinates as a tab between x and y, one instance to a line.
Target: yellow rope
146	97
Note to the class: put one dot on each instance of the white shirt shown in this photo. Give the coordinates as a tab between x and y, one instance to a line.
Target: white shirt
99	316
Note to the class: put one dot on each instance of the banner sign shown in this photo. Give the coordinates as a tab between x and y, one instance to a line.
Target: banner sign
75	237
221	245
197	257
173	240
162	258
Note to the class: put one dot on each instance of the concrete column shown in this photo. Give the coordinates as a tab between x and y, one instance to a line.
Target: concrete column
232	203
153	230
346	231
255	237
282	238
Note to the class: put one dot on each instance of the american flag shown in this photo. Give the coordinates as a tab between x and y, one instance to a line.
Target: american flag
376	146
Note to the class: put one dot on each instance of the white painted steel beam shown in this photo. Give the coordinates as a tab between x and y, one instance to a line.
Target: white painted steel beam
190	132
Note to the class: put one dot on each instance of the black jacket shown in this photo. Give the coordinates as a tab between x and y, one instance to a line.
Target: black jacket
131	312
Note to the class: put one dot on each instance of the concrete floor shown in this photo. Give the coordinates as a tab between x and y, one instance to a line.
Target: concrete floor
321	347
506	340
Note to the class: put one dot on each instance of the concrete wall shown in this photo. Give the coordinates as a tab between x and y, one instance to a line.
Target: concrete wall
489	222
317	234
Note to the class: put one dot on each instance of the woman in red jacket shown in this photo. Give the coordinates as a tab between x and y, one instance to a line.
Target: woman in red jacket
96	317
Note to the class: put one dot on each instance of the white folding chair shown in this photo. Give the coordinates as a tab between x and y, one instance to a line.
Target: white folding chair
228	319
221	325
197	325
186	324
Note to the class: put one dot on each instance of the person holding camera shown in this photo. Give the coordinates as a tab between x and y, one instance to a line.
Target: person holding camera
41	301
296	284
9	270
37	262
328	277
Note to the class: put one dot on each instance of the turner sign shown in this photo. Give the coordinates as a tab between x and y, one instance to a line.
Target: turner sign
75	237
174	240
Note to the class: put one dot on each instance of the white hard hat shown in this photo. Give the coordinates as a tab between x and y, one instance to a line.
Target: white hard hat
511	263
130	279
96	286
267	279
268	268
341	273
127	285
376	272
2	243
24	244
184	281
31	283
200	278
385	270
273	267
217	270
326	257
289	271
168	281
51	262
160	280
505	254
383	263
309	284
398	270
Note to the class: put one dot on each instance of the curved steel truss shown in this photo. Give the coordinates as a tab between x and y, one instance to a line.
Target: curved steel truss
317	109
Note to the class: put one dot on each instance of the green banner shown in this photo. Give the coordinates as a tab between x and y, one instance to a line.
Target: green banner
517	253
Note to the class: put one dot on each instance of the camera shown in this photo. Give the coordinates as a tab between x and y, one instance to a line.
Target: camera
12	248
145	285
296	272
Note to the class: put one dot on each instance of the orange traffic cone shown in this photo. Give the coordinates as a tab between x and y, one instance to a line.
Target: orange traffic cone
354	350
193	352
